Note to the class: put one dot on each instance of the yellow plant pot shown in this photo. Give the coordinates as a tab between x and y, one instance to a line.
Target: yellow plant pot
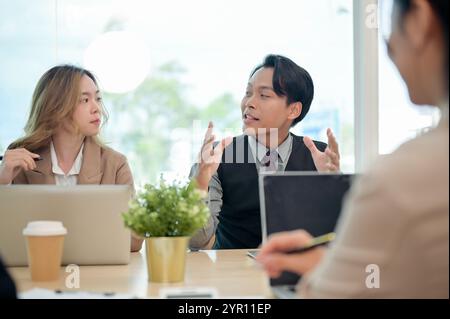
166	258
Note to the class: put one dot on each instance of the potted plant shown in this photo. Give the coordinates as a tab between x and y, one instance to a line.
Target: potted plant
166	216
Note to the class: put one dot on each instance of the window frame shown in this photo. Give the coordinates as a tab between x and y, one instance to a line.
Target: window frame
366	90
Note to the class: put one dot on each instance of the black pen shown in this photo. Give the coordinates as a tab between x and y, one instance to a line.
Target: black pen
315	242
37	159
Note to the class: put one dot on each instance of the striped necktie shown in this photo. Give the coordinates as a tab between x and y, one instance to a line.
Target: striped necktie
269	162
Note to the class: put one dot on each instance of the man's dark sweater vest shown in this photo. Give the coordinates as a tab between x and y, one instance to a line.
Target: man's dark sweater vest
239	219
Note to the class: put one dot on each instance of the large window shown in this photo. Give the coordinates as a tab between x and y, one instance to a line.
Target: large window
399	119
167	67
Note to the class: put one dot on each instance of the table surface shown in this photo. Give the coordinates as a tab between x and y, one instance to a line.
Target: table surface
231	272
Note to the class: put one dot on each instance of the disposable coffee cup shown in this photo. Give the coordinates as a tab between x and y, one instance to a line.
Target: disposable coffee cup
45	242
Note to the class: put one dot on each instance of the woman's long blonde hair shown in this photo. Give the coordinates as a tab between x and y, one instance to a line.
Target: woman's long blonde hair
54	100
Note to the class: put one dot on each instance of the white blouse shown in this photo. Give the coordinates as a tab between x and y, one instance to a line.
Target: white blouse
72	177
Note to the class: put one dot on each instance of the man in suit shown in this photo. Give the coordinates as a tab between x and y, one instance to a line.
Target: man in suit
278	96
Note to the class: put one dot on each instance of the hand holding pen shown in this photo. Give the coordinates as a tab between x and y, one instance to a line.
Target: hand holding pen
15	160
295	251
313	243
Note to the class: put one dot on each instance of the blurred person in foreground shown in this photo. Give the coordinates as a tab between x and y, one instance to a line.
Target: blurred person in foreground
393	236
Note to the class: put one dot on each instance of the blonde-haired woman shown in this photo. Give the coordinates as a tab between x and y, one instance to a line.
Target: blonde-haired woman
61	144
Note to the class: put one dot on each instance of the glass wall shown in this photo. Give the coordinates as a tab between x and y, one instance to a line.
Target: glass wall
168	67
399	119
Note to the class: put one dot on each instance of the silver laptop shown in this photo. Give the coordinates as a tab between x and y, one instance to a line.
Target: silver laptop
299	200
91	213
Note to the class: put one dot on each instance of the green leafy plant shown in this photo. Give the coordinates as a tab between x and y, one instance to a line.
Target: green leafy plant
167	210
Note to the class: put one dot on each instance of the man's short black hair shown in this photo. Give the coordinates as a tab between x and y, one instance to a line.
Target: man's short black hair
290	80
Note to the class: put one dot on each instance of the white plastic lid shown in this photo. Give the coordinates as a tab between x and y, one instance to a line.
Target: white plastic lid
44	228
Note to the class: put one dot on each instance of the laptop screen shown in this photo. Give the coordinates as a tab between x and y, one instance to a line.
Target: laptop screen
308	201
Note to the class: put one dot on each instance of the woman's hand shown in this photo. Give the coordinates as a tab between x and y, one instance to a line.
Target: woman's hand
274	259
15	160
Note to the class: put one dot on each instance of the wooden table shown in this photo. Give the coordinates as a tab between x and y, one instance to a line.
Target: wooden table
231	272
